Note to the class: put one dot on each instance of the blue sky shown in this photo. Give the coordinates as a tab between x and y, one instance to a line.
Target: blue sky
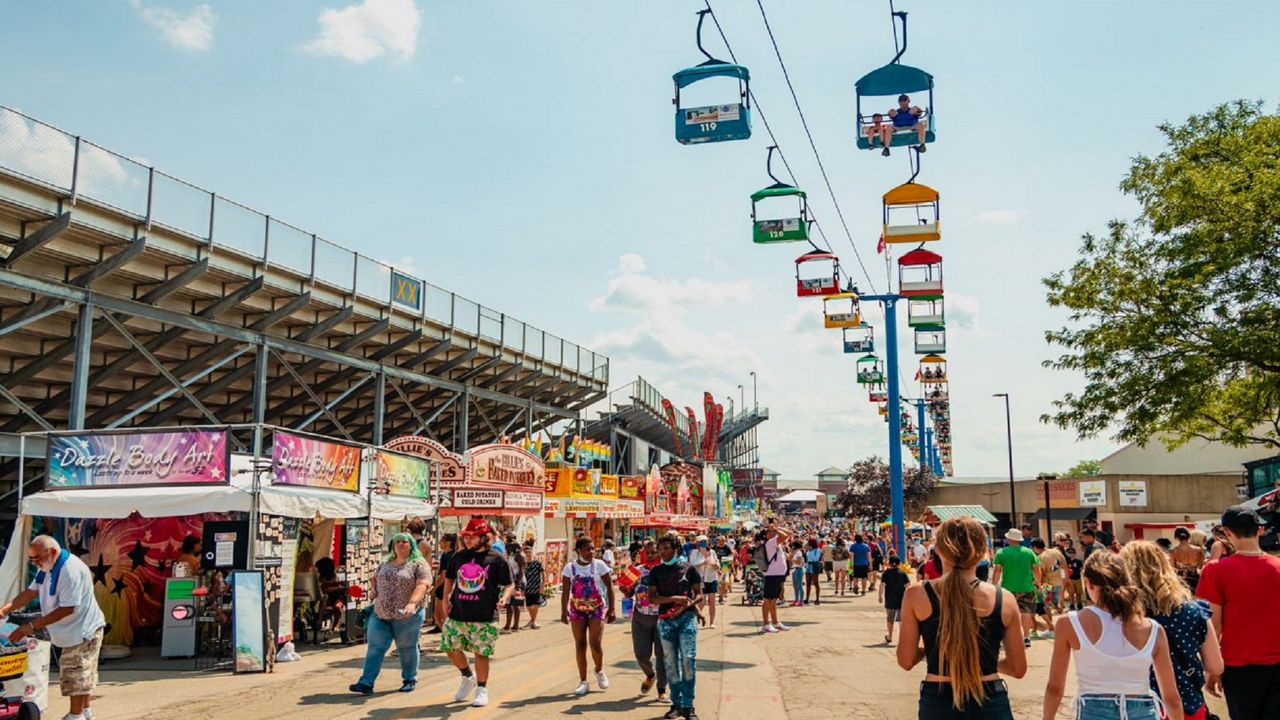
521	153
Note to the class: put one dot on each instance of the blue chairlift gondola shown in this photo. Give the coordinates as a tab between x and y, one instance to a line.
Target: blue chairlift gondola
713	123
889	82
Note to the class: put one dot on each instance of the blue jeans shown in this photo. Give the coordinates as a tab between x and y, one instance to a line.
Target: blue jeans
679	638
1094	707
797	583
404	633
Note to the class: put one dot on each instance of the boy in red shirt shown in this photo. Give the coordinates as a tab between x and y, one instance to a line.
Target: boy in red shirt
1242	590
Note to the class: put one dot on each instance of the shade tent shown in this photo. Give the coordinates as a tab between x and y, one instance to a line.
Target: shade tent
942	513
800	496
177	500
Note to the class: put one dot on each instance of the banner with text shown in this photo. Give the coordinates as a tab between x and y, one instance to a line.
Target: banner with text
403	475
184	457
298	460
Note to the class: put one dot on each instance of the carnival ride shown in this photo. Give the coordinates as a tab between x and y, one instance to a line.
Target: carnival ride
712	123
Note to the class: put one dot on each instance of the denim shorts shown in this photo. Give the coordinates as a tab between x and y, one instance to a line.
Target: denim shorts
935	703
1116	707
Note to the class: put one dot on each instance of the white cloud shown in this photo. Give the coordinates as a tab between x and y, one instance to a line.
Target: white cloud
369	30
458	80
190	31
1003	216
671	327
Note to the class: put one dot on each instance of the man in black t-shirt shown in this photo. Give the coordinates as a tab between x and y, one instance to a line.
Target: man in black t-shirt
1102	536
477	583
893	585
676	587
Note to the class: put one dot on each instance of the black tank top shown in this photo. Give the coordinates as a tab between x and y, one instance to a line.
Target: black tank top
990	634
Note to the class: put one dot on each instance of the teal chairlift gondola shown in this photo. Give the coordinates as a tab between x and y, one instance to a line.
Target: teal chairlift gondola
888	83
713	123
861	339
778	229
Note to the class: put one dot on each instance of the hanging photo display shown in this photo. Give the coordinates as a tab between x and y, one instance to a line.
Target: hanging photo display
249	634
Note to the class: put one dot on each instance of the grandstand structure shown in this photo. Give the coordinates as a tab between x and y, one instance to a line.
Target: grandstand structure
131	298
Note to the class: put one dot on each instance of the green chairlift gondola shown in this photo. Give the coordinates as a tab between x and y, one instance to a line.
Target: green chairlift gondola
779	229
870	370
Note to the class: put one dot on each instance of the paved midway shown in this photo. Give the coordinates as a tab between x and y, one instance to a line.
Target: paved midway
833	664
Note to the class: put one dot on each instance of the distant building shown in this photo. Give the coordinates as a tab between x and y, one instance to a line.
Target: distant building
833	480
770	484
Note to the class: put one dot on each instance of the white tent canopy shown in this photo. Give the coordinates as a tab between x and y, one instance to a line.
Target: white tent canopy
801	496
170	501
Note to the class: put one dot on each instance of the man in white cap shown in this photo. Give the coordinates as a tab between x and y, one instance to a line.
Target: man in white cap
69	611
1016	572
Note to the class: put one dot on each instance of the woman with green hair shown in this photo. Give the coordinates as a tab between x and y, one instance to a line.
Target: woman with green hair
399	596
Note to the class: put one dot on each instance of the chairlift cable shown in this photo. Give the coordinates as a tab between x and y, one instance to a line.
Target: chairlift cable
813	145
773	138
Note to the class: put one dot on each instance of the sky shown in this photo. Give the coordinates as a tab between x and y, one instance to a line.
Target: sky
522	154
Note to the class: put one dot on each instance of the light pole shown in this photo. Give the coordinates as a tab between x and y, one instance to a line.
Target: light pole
755	400
1008	426
742	395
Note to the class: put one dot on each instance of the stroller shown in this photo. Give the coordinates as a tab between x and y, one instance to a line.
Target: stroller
753	585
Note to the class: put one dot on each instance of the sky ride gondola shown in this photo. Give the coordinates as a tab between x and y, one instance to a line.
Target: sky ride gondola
870	370
713	123
894	81
926	310
820	279
779	229
841	311
920	206
933	370
877	393
931	340
861	339
920	273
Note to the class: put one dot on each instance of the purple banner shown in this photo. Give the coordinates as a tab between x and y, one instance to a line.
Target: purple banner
299	460
181	457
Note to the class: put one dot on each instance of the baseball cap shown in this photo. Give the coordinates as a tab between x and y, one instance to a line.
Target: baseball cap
1239	518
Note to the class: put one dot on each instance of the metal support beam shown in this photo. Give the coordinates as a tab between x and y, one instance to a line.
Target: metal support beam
311	393
159	366
443	369
379	407
38	239
175	283
323	326
260	386
479	369
25	408
26	316
211	355
106	266
333	404
464	431
156	400
282	312
490	382
80	368
61	291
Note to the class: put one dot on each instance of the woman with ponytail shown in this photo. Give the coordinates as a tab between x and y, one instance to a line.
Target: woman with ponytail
963	623
1115	647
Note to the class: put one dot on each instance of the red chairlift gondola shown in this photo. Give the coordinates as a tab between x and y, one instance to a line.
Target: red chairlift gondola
920	273
820	279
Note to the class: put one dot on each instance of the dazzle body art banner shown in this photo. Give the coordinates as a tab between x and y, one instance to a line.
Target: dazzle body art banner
404	475
186	457
297	460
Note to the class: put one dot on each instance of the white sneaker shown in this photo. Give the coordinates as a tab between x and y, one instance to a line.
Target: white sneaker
482	697
768	629
1047	635
783	627
602	680
465	687
582	689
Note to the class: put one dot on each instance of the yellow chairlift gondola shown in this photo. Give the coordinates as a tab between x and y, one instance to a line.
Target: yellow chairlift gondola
911	214
883	408
841	311
933	370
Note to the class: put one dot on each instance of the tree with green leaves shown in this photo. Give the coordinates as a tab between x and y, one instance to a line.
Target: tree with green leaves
1085	468
868	496
1175	315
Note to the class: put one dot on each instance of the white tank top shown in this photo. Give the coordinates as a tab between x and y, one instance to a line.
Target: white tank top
1112	666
